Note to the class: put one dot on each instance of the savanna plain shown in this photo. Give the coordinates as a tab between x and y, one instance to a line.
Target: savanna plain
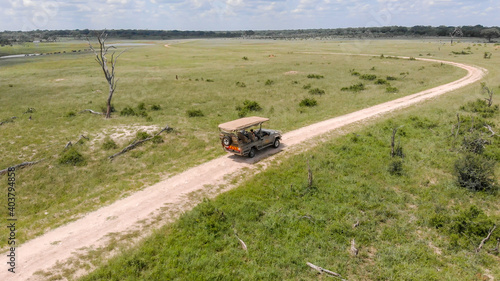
406	214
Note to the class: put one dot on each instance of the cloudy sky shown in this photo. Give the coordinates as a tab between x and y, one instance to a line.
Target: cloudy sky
242	14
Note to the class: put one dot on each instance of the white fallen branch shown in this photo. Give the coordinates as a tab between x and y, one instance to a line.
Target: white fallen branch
91	111
322	270
354	250
486	239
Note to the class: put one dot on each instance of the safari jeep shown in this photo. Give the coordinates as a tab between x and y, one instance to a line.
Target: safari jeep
245	136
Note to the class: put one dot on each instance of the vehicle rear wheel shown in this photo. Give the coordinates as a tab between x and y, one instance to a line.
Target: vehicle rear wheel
251	154
276	143
226	140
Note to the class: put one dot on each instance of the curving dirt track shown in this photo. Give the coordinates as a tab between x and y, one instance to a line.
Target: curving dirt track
128	214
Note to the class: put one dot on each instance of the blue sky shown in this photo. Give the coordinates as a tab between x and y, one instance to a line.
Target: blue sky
242	14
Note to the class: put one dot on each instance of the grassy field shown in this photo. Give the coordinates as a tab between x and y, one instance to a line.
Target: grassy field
417	224
59	86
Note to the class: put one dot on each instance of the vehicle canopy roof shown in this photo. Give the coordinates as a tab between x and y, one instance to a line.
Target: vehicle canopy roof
242	123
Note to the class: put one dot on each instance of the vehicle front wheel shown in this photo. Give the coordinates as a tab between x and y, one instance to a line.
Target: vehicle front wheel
226	140
276	143
251	154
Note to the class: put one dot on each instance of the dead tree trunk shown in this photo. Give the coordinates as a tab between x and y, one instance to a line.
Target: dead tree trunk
20	166
102	60
490	95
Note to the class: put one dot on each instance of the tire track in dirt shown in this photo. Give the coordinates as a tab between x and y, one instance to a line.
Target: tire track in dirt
94	229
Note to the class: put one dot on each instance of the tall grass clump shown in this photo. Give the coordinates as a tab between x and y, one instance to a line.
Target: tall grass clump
307	102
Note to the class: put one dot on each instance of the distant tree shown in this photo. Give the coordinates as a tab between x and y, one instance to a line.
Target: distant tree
102	60
490	33
457	32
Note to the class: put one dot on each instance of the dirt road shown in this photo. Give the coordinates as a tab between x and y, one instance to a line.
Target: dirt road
93	230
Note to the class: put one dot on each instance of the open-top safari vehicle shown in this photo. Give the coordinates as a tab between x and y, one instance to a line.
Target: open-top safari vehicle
245	136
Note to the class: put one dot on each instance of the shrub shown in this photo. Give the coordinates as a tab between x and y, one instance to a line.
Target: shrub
391	78
209	80
128	111
355	73
315	76
354	88
269	82
481	107
142	135
396	167
248	106
316	91
241	84
475	172
195	113
157	139
369	77
141	106
412	58
108	144
244	58
391	89
308	102
70	114
155	107
381	82
307	87
72	157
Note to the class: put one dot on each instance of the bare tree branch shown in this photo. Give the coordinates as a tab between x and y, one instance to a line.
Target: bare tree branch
91	111
20	166
136	143
486	239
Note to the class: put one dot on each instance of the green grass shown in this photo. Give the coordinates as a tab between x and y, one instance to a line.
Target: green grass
51	194
417	225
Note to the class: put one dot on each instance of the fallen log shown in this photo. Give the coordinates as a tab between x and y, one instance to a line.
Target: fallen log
322	270
136	143
91	111
20	166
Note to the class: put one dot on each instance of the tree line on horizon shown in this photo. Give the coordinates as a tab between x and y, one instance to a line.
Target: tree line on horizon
477	31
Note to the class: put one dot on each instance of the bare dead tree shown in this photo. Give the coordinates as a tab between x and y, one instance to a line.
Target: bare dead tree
102	60
323	270
136	143
489	92
457	32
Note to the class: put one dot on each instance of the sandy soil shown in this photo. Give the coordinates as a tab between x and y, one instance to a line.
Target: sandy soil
93	230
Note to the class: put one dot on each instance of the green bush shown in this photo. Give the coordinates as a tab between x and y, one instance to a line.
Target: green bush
307	87
128	111
354	88
109	143
244	58
315	76
157	139
72	157
209	80
195	113
70	114
141	106
355	73
475	172
241	84
396	167
369	77
308	102
155	107
391	78
381	82
391	89
269	82
142	135
481	107
247	107
316	91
